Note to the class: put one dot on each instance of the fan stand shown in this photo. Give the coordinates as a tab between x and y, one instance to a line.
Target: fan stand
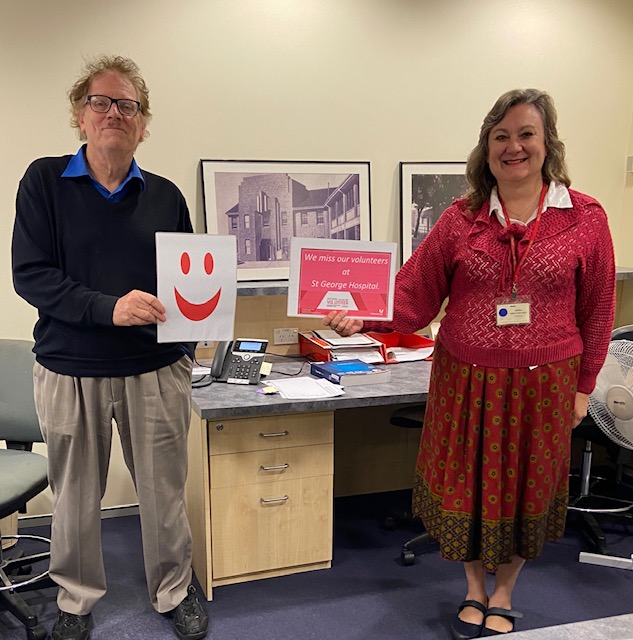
606	561
611	505
616	395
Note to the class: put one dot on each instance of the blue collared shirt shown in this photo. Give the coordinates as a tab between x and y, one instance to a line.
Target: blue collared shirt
77	167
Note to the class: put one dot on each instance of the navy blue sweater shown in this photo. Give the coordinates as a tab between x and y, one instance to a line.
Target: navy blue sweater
75	254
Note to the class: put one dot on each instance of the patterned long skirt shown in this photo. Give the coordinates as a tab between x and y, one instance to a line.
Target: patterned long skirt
492	474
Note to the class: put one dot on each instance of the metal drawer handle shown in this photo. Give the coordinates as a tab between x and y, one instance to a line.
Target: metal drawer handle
274	435
275	467
269	500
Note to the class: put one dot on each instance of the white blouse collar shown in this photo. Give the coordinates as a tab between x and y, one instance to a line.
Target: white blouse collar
557	196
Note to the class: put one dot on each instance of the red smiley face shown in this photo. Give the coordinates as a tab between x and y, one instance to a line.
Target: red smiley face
191	310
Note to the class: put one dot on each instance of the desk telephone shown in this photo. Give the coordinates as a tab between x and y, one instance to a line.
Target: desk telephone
239	361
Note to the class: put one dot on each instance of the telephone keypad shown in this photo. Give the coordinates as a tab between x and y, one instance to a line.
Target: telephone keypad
245	369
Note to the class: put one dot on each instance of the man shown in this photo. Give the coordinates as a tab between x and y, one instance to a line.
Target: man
84	255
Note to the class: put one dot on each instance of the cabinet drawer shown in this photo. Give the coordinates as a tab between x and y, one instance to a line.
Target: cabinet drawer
268	526
272	465
270	432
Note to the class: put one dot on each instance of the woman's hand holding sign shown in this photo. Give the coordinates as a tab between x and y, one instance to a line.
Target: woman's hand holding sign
342	324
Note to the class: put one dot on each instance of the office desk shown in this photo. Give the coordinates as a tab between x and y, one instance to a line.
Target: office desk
260	487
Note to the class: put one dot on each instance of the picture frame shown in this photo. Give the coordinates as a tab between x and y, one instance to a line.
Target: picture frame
426	190
265	203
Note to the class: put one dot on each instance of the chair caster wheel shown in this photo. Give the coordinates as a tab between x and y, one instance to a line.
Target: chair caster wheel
408	558
38	632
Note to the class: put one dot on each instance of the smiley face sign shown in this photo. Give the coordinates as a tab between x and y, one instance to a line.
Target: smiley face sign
197	284
192	310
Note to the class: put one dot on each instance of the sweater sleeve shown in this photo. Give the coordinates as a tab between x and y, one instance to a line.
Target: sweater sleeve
595	301
37	276
423	282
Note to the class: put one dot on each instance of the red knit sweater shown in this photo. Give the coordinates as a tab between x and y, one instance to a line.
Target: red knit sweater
569	275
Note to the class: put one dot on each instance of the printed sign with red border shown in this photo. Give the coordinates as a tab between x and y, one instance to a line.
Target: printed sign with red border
341	275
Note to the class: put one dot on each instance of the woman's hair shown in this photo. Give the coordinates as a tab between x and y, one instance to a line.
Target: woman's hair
96	67
478	174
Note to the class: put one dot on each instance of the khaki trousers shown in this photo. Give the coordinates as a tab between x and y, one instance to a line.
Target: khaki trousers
152	414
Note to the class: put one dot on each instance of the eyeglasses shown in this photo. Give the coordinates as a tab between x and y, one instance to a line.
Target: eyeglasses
102	104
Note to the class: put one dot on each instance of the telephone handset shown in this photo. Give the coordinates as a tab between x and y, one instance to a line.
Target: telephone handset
239	361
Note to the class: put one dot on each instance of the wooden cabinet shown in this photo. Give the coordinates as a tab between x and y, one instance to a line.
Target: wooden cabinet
268	510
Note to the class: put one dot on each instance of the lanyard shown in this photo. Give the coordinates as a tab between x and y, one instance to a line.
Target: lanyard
514	249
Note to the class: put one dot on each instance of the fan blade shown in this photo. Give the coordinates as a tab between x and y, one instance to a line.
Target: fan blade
625	429
609	375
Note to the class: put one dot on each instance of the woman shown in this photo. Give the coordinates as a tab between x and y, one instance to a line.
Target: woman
527	265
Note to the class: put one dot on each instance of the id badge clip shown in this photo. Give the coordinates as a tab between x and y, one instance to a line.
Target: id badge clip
513	310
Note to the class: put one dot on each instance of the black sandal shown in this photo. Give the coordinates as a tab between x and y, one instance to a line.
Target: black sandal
461	630
508	614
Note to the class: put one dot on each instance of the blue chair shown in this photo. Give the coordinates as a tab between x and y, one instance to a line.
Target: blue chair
22	477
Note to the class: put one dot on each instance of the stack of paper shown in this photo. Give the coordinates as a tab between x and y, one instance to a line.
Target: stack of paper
306	388
359	346
336	340
370	356
409	354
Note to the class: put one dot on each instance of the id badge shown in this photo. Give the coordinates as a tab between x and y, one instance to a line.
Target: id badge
513	310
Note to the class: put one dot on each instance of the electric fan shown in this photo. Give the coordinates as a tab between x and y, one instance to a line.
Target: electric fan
611	402
611	407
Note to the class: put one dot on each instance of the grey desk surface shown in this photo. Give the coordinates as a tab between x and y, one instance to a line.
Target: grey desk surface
613	628
409	384
623	273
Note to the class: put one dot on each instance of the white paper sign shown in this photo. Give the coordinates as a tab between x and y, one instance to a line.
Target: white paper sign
197	284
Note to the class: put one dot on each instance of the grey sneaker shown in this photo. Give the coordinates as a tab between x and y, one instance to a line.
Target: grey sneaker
68	626
190	619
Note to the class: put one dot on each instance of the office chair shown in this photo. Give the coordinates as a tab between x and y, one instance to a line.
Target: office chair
408	418
592	495
22	476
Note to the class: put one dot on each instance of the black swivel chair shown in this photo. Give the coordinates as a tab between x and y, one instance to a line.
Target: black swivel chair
408	418
593	496
22	476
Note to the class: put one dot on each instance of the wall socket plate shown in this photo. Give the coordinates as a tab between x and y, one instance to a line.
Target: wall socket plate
286	336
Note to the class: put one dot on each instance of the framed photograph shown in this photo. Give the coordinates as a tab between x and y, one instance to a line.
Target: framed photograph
266	203
426	189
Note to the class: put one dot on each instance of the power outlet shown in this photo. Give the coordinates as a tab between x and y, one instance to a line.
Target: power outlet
286	336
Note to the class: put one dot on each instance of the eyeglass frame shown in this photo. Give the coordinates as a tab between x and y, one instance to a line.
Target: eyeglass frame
116	101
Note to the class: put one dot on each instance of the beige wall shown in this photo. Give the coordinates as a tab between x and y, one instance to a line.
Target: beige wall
378	80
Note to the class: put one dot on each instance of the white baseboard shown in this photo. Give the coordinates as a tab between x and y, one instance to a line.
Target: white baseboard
106	512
